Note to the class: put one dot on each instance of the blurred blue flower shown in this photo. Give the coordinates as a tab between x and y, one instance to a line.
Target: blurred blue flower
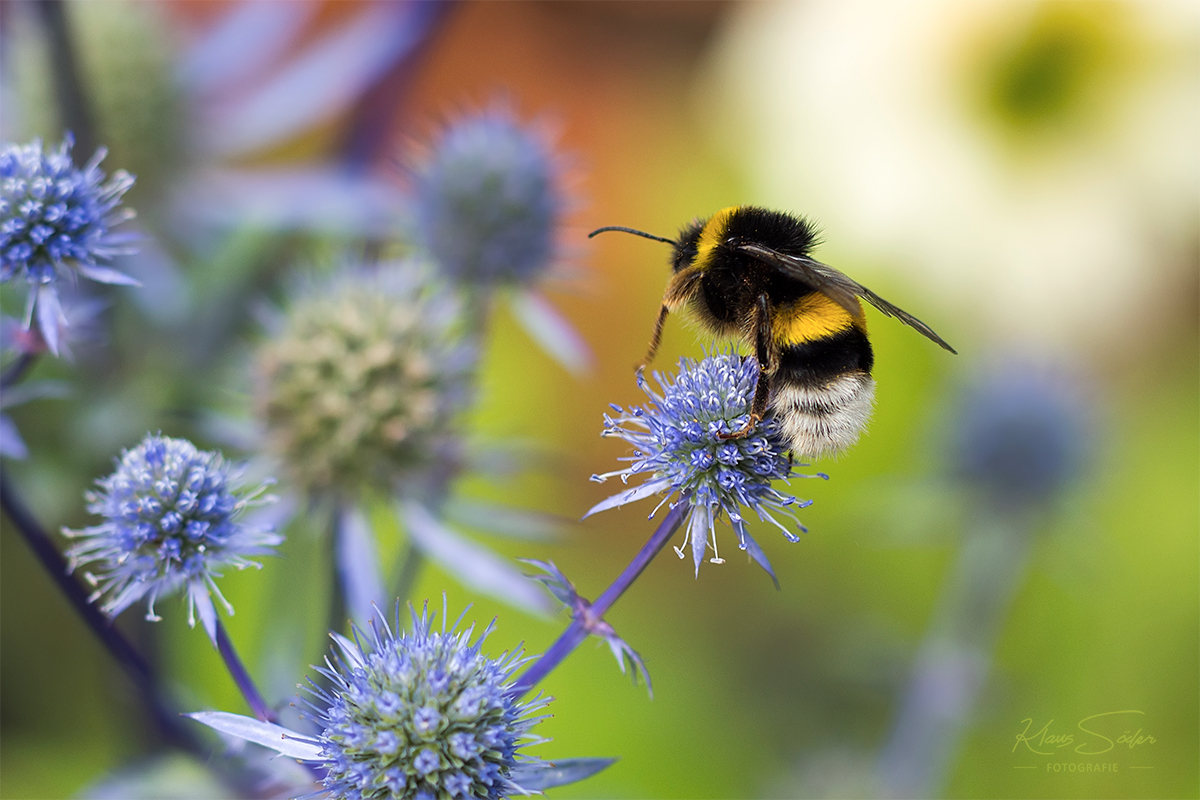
1023	434
56	221
487	201
678	443
487	208
417	714
170	521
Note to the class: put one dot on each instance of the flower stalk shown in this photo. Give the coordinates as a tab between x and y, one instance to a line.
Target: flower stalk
166	719
241	677
73	104
591	616
17	370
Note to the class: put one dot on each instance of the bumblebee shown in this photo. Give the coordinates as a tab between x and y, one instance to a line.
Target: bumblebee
747	272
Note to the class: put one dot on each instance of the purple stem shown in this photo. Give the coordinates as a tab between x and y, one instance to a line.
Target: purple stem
136	667
17	369
74	109
262	711
579	629
242	678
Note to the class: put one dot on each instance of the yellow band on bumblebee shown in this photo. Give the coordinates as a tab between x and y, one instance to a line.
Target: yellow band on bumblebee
813	317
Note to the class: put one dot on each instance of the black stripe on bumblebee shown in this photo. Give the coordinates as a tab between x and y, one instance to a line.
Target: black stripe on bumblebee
747	272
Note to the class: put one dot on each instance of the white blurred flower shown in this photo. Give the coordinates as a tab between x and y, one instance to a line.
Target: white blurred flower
1033	164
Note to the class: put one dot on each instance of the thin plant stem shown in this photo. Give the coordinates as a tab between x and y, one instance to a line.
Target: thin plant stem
476	308
17	369
135	666
410	568
337	592
74	111
242	678
583	623
955	656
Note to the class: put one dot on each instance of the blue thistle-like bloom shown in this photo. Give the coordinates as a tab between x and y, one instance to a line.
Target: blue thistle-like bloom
56	220
170	521
678	444
488	202
1023	434
421	714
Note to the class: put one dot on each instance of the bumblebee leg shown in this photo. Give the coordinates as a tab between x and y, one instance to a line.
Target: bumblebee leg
762	352
656	338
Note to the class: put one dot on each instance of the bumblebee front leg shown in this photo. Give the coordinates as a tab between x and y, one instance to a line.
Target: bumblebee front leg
762	352
681	287
656	338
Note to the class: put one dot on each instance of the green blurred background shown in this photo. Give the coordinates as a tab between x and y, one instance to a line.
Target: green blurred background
1023	176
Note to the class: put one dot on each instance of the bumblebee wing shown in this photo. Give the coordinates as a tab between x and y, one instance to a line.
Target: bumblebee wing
837	287
908	319
822	277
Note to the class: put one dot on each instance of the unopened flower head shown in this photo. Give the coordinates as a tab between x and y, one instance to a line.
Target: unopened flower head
359	384
679	446
56	221
423	714
488	201
171	520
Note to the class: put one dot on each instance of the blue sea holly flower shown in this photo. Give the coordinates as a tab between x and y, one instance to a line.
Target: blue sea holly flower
56	221
679	446
1023	433
487	201
488	204
423	711
170	522
419	714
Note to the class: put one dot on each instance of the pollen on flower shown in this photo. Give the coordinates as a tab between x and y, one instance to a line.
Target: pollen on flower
678	446
171	519
420	714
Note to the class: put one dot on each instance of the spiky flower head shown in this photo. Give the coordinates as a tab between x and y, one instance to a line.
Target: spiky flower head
56	221
678	446
1023	434
488	201
171	520
359	384
423	714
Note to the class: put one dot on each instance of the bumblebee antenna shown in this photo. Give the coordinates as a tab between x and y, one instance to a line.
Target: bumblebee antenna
635	232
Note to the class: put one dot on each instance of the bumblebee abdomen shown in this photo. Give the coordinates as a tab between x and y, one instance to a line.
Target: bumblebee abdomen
826	418
822	391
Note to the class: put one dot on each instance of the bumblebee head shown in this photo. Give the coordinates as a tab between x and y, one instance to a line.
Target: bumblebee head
687	246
